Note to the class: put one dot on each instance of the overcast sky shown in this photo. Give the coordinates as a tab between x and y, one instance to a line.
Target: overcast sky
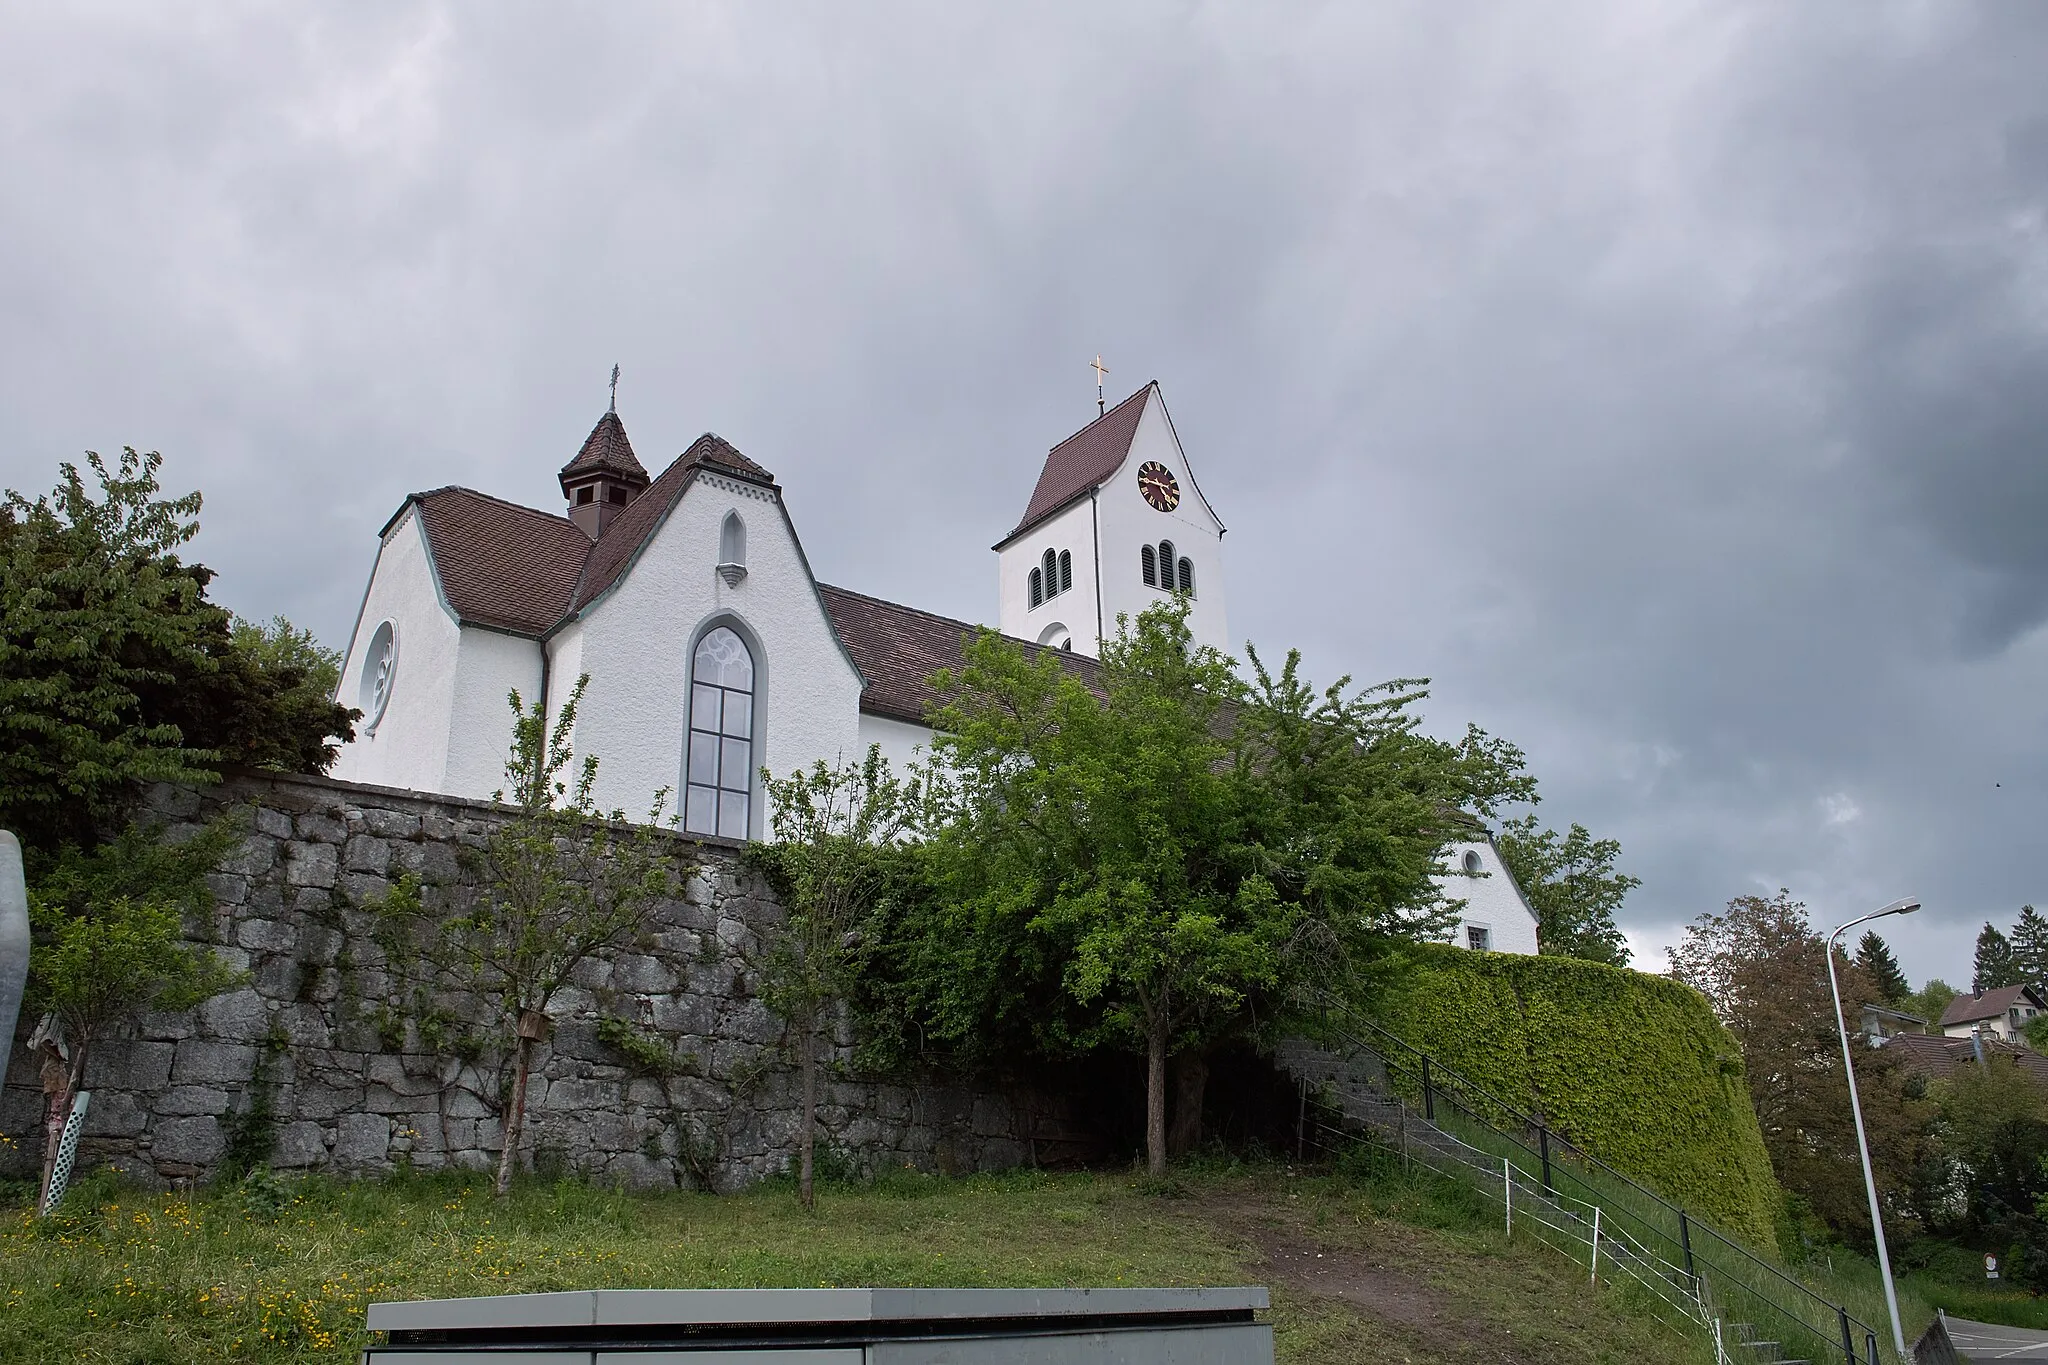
1669	383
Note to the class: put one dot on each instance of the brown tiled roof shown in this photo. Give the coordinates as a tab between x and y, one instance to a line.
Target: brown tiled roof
1939	1058
898	648
607	451
716	452
1084	460
1992	1004
518	569
501	564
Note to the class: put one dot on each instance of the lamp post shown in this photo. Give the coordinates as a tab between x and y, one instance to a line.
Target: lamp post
1884	1259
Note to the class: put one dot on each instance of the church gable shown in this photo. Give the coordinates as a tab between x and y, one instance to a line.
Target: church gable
627	538
708	646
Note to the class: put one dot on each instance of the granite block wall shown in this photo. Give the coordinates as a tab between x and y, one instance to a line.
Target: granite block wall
313	1055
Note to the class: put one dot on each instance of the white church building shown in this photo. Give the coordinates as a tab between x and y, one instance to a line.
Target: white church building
712	649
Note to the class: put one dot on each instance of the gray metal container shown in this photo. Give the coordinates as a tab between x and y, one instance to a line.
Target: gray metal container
830	1327
13	941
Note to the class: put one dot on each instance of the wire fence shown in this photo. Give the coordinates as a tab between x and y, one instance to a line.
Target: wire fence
1368	1081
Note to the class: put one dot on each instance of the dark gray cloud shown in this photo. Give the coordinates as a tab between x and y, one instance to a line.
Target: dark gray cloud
1666	382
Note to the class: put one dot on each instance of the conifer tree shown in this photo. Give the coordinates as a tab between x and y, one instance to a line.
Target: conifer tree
1996	964
1874	955
2030	945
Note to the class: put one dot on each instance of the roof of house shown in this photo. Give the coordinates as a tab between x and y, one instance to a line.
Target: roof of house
1890	1013
1968	1009
513	568
607	451
898	648
518	569
1084	460
1939	1058
500	564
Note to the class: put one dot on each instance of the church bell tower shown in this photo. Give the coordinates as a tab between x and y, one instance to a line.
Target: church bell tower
1115	524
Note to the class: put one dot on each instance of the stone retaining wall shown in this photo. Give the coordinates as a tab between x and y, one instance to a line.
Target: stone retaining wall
350	1087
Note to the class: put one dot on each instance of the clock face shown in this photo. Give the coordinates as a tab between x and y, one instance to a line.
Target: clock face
1158	485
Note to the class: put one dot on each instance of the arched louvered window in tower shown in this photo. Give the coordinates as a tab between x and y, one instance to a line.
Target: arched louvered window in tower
1187	576
1148	559
1166	565
1037	587
1066	570
1052	574
719	772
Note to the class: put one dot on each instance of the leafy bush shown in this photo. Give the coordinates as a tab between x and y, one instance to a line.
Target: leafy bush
1633	1068
648	1055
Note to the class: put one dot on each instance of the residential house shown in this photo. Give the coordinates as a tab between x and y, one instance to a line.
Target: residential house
2000	1013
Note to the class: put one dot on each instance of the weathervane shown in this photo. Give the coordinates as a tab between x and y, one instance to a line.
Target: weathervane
615	388
1100	370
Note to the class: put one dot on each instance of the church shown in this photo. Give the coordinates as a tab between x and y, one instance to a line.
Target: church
712	649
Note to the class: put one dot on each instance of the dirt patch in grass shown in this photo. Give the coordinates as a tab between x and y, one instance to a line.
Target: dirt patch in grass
1373	1289
1351	1284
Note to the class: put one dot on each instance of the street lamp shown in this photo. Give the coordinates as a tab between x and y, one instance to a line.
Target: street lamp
1884	1259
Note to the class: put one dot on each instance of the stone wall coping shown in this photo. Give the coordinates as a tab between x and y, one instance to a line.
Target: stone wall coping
433	801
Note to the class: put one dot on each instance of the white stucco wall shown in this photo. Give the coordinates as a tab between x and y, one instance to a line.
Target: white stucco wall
489	665
1070	614
1127	522
902	743
410	746
634	643
1492	901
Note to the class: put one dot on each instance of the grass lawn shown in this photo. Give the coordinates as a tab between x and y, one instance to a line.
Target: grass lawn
1381	1269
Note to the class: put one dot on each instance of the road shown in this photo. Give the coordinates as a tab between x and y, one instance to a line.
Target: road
1975	1341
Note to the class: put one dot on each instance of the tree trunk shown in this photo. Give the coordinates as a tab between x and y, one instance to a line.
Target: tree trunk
1155	1099
807	1130
1190	1082
67	1079
515	1118
53	1136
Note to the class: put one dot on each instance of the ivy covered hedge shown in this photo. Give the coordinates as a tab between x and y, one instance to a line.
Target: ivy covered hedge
1634	1068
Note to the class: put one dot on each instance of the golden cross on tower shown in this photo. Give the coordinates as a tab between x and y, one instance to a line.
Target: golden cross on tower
1100	370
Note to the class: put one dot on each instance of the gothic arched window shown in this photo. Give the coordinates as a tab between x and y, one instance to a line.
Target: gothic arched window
1187	576
732	540
1066	570
719	773
1148	560
1037	587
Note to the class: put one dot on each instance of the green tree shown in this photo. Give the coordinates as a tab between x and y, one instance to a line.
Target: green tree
271	703
1123	805
837	832
1995	966
560	881
1169	857
1874	956
109	942
1995	1124
1571	883
116	671
2030	946
1931	1001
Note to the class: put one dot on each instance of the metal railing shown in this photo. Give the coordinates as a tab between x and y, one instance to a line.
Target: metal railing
1555	1190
